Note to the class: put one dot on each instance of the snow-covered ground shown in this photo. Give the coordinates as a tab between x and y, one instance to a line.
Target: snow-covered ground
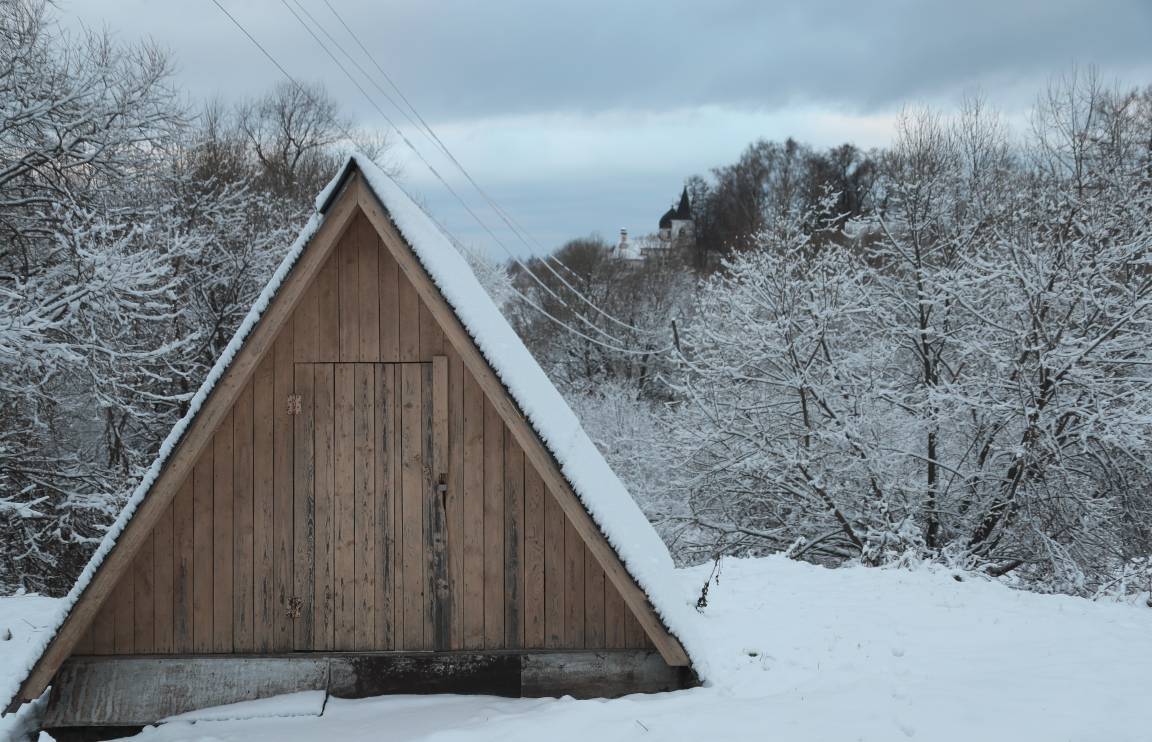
25	621
798	653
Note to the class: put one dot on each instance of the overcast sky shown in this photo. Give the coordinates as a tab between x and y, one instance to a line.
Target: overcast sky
587	116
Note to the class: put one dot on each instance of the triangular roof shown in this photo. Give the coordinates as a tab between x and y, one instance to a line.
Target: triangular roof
616	531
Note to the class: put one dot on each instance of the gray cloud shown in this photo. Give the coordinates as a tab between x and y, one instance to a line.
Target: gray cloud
589	114
518	56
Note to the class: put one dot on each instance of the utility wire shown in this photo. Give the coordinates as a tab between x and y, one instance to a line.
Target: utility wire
435	172
304	91
522	234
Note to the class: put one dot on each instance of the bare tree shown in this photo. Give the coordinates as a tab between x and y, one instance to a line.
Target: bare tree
292	131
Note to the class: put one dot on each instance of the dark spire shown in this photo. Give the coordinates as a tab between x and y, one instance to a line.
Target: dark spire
666	220
684	210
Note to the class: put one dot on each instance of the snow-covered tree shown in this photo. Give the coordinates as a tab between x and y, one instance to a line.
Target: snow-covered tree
133	238
961	375
79	287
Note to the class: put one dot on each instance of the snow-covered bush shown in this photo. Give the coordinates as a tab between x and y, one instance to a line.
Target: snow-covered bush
966	376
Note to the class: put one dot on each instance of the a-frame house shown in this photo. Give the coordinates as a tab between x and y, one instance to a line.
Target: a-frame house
376	490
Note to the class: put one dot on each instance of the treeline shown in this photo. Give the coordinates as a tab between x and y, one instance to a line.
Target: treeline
935	351
135	233
771	181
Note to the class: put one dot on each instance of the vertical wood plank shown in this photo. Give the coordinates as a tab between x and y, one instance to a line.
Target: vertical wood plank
385	478
325	531
389	307
162	582
436	519
263	505
183	565
344	509
397	461
427	504
306	326
634	635
513	542
242	543
615	624
455	499
473	477
348	252
222	542
283	506
368	270
554	528
202	572
573	587
328	310
593	602
534	555
431	336
303	496
86	642
104	628
411	434
124	598
409	310
143	624
493	528
365	515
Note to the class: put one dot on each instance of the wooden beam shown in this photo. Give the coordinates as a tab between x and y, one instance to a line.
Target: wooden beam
195	439
534	450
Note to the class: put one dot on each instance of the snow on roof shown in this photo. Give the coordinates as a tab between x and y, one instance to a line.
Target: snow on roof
601	491
604	496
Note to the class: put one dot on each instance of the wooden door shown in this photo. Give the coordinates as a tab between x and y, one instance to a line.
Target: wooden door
370	457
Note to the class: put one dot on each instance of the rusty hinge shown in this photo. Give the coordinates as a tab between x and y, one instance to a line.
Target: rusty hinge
294	404
295	607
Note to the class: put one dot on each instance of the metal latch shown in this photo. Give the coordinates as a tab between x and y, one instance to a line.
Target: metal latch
294	404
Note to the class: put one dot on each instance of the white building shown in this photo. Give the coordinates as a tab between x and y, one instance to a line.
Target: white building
676	229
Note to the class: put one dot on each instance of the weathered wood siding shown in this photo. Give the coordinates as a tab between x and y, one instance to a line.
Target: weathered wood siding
330	530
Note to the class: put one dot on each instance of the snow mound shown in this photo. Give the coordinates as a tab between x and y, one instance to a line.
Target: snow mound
26	623
303	703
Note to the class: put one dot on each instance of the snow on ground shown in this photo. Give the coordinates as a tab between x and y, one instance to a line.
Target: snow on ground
25	621
302	703
799	653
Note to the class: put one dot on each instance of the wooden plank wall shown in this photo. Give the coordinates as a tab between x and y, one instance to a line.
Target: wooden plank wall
328	530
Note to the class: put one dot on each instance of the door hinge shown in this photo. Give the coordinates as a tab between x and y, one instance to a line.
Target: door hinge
294	404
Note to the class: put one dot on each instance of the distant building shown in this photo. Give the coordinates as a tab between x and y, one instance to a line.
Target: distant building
676	225
675	230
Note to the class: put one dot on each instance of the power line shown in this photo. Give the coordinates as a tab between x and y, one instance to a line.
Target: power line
435	172
522	234
304	91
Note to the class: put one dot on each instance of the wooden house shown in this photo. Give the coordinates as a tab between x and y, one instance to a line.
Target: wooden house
377	490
